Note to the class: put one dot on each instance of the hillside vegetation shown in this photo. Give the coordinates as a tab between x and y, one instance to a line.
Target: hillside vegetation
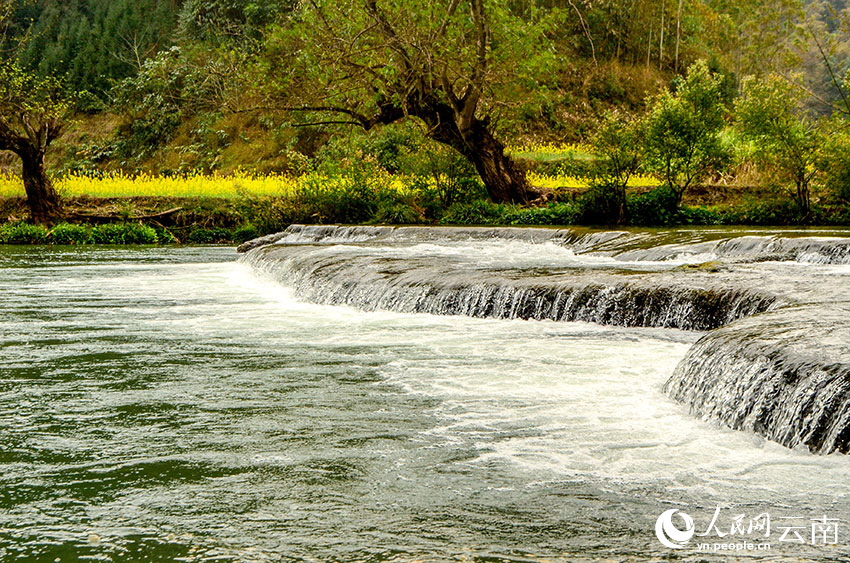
254	115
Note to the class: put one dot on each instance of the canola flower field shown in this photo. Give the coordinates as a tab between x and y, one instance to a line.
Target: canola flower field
548	152
146	185
241	184
238	185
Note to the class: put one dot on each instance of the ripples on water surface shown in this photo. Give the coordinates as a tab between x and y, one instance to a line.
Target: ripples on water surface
168	404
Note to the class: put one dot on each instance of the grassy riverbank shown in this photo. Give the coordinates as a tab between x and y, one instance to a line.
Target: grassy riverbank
384	188
165	219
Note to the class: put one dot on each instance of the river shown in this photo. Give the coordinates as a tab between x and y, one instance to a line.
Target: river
176	404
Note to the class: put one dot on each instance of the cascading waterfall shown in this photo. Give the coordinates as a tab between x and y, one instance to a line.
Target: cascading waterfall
625	245
776	363
784	375
360	277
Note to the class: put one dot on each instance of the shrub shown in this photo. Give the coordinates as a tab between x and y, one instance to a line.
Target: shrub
552	214
65	233
479	212
602	204
245	232
164	236
698	215
655	208
124	233
22	233
349	199
766	212
273	214
200	235
398	214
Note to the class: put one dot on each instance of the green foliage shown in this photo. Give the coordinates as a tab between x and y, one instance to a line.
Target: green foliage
698	215
621	149
551	214
273	214
229	20
245	232
93	43
175	85
164	236
30	106
397	213
834	161
478	212
22	233
789	144
65	233
353	201
604	203
395	148
207	236
683	130
124	233
658	207
769	212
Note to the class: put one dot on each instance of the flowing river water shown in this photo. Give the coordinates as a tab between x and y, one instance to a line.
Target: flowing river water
408	395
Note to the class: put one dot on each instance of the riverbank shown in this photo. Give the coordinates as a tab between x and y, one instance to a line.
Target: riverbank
168	219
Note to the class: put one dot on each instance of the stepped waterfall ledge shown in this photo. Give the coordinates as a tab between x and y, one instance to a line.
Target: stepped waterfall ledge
784	375
775	362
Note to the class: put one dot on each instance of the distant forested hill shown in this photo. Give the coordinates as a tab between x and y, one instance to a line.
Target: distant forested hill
203	77
93	43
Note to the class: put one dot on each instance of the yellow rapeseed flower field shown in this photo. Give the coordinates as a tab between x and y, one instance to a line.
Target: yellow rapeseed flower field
550	151
192	185
553	182
231	186
249	184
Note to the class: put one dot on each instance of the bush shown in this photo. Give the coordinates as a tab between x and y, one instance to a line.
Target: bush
398	213
22	233
124	233
698	215
164	236
602	204
245	232
65	233
655	208
346	201
768	213
208	236
553	214
478	212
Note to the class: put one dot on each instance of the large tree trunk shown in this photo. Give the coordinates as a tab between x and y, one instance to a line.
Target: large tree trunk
41	196
503	178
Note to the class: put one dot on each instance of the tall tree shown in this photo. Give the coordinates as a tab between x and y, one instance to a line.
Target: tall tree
31	114
444	62
754	37
683	130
